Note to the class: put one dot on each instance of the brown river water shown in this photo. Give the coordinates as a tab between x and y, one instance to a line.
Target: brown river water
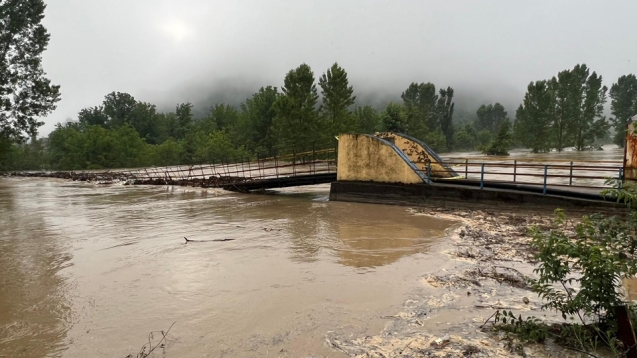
90	270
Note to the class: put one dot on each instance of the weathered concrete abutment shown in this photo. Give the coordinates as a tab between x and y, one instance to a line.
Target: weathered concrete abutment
456	196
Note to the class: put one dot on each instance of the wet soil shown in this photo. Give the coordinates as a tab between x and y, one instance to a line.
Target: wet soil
489	260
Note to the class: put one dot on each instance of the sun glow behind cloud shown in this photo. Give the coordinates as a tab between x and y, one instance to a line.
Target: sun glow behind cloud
177	30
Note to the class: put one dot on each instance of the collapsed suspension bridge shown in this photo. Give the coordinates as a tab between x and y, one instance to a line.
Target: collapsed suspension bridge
389	158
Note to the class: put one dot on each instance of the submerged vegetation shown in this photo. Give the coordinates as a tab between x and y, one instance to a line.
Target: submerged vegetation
581	268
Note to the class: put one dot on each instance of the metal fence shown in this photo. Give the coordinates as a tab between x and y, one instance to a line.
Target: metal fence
576	175
318	157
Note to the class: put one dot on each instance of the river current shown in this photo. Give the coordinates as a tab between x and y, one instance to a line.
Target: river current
91	270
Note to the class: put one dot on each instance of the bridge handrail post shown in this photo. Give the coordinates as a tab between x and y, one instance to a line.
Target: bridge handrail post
250	165
466	168
294	161
429	173
620	179
515	170
546	170
313	167
570	176
258	165
243	169
482	177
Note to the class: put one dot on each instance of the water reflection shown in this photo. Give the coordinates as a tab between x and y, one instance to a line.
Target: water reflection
360	235
34	310
379	245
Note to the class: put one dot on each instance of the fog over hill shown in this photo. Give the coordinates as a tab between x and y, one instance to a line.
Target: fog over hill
208	52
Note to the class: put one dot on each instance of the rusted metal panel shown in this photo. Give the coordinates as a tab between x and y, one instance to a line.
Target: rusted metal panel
630	152
423	157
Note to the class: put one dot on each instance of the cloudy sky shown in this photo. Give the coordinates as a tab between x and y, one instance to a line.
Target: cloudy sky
206	51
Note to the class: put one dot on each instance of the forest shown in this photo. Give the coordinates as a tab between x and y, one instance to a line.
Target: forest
565	111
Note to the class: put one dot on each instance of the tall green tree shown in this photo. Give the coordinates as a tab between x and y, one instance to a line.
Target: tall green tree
490	117
296	122
588	96
533	122
502	141
119	108
255	130
623	105
444	110
96	147
394	118
144	119
562	113
420	101
337	99
465	137
93	116
25	92
367	119
182	120
224	116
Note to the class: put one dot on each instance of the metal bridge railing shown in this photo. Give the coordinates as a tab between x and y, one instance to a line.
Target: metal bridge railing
318	157
580	176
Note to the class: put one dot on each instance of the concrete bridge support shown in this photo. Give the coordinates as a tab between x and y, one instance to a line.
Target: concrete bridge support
388	158
366	158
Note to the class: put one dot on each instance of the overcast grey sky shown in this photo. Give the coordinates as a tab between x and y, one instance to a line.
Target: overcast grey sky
204	51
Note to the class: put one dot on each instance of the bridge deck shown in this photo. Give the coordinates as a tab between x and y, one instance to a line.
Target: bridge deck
281	182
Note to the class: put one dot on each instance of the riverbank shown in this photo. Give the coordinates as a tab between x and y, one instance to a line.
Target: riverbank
489	257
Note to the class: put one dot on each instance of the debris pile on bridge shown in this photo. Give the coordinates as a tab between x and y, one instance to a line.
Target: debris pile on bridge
127	178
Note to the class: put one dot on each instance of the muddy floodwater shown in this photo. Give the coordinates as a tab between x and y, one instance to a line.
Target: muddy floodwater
89	270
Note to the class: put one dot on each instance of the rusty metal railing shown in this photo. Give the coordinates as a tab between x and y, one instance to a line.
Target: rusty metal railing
318	157
577	175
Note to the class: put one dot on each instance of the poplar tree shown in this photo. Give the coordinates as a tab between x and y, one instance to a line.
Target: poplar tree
337	100
296	120
25	92
419	102
563	111
367	119
532	126
183	119
623	105
444	110
394	118
257	115
490	117
588	97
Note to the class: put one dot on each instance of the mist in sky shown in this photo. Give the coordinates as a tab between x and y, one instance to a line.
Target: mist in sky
205	52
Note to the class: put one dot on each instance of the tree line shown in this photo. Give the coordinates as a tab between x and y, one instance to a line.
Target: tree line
568	110
564	111
125	132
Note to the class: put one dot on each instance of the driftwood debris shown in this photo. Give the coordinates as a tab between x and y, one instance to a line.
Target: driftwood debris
148	348
218	240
